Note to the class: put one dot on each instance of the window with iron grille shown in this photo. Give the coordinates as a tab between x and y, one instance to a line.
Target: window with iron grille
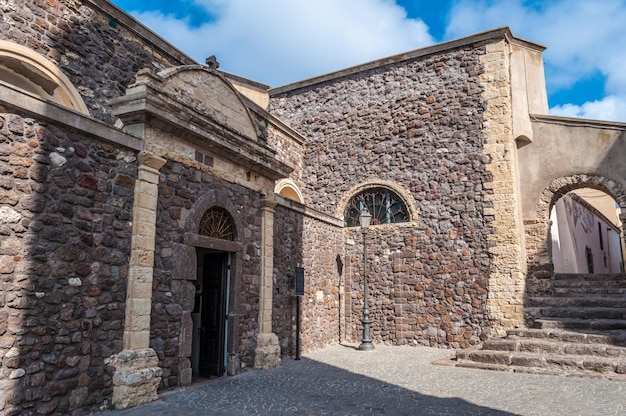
385	206
217	223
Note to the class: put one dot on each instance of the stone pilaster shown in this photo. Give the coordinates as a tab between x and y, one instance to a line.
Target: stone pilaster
137	375
505	304
267	352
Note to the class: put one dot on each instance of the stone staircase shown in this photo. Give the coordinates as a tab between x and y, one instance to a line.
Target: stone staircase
578	331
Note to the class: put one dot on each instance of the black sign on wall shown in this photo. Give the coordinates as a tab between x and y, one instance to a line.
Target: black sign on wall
299	281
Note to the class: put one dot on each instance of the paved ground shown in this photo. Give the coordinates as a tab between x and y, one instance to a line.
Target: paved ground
341	380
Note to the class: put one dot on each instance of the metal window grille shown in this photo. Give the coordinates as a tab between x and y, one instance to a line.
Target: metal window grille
217	223
385	206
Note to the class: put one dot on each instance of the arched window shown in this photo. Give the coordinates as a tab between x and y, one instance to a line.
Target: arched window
29	71
217	223
385	206
289	189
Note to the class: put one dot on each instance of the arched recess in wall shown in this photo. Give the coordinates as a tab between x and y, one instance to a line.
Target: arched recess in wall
387	202
213	200
289	189
578	226
31	72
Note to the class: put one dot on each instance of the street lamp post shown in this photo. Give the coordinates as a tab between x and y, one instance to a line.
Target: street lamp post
366	343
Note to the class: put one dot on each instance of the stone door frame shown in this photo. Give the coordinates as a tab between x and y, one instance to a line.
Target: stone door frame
185	273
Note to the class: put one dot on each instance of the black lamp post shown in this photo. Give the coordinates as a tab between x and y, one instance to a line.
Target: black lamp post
366	343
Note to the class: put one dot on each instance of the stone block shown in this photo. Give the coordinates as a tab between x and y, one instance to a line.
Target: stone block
78	397
186	259
135	340
146	175
140	306
267	352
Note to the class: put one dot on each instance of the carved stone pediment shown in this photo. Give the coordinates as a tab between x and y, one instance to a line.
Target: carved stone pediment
198	104
209	93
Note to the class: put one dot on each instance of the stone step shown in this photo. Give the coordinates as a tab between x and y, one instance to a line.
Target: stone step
580	330
583	301
583	312
589	281
599	374
581	324
592	276
609	337
550	346
555	362
589	291
589	277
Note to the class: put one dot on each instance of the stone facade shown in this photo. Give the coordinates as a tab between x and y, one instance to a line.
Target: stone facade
322	247
114	147
65	248
428	282
506	282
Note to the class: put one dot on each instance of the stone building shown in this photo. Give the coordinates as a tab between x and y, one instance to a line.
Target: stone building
153	210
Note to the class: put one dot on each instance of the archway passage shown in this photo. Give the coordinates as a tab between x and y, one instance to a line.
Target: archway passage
538	233
586	233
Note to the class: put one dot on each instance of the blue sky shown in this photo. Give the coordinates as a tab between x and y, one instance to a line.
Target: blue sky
281	41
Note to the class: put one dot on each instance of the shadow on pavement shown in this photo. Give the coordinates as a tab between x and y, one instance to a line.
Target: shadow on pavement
303	387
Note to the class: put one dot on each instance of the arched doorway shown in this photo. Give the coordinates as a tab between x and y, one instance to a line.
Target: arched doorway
209	355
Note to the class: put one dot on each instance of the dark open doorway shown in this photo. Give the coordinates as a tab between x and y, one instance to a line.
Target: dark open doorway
210	314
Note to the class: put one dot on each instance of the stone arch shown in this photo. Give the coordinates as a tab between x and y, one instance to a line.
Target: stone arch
289	189
207	201
29	71
559	187
380	183
537	230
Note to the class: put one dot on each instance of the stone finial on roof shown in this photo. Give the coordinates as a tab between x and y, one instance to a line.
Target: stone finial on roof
212	63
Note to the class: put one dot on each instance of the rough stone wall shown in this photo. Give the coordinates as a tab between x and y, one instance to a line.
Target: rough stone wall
65	228
419	124
288	227
287	151
538	257
179	188
100	60
316	246
322	260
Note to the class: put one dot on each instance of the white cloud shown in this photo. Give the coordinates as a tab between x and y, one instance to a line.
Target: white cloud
280	41
609	108
584	37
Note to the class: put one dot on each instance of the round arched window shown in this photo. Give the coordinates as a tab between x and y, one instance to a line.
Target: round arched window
217	223
385	206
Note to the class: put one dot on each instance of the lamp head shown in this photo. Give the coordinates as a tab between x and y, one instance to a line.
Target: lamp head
365	218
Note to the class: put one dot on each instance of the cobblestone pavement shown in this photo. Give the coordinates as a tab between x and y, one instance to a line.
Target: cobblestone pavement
341	380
